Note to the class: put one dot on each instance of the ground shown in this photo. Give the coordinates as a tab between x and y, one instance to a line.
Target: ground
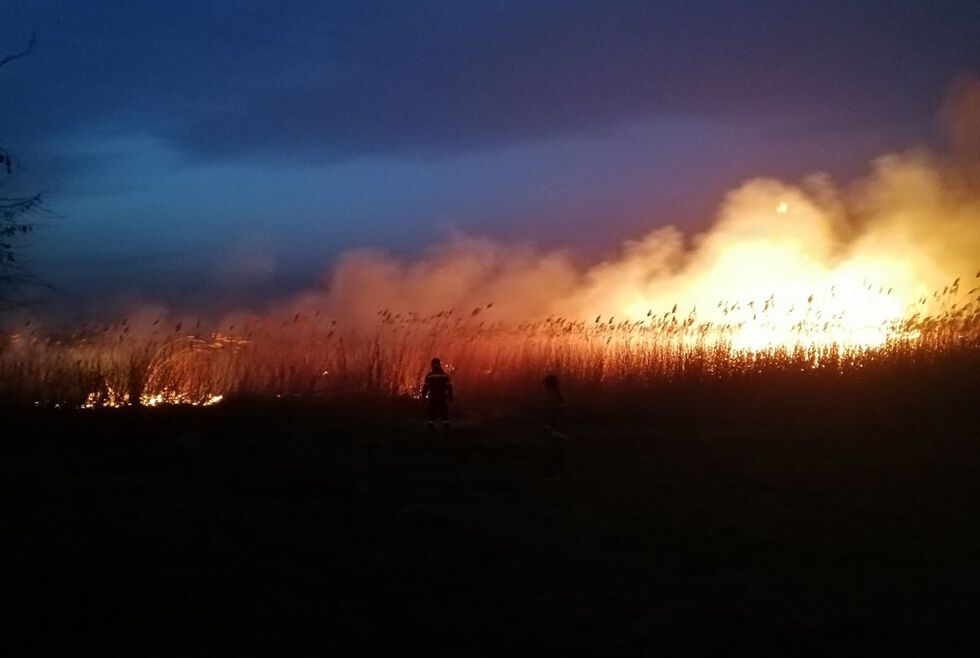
312	530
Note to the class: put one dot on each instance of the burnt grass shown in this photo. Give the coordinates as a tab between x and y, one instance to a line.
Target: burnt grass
300	528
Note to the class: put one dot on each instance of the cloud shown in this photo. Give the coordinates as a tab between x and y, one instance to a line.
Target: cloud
334	81
371	88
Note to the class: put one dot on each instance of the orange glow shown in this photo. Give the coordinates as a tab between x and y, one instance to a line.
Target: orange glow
792	277
785	267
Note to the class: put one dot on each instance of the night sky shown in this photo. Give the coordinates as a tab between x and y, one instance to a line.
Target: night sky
199	150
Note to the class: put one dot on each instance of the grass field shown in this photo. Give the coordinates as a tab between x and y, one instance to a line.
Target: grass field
288	528
159	361
804	498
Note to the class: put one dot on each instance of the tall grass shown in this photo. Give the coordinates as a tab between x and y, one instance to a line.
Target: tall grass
310	355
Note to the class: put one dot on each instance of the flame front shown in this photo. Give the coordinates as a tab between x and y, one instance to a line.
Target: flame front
785	266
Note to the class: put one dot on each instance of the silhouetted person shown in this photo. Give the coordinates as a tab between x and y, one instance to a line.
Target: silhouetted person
555	422
437	391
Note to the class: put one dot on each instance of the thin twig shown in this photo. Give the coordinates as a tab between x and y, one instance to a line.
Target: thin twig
25	51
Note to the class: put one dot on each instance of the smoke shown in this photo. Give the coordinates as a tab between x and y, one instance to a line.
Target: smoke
462	275
807	264
868	251
961	118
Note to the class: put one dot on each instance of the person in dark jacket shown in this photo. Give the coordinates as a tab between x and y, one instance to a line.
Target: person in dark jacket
437	391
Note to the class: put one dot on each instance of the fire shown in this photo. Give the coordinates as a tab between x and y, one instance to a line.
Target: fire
176	397
110	398
786	266
805	305
789	276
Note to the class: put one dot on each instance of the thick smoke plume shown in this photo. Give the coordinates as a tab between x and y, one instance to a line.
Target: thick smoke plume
863	254
911	227
792	277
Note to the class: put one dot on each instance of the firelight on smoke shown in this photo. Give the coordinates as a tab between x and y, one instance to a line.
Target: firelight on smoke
791	276
806	265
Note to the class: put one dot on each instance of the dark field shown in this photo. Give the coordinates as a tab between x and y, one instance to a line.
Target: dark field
258	529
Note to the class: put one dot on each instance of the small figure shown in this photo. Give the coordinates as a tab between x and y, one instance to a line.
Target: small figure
555	422
437	391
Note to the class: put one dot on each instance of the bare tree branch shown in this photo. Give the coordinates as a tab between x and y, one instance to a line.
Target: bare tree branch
16	213
25	51
23	203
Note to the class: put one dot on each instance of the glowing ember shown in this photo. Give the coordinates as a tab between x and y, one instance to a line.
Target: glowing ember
172	397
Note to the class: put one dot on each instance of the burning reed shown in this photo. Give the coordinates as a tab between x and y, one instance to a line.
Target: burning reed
312	356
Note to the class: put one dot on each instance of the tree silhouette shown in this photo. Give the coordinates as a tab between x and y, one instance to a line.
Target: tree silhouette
16	220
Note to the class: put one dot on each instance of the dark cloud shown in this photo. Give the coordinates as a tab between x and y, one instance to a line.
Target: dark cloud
168	132
339	80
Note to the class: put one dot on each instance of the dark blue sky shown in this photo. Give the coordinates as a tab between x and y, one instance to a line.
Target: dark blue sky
202	148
